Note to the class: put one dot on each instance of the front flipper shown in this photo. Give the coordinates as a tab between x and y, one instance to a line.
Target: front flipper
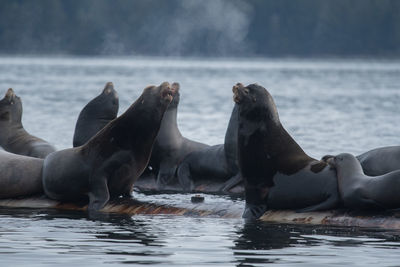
253	212
165	175
98	194
184	177
231	183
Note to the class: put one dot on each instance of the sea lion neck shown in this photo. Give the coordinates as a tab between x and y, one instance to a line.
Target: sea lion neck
169	126
137	123
10	129
274	143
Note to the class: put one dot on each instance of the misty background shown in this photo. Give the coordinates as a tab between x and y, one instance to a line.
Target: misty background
224	28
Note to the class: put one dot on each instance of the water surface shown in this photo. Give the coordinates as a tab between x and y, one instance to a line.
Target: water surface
328	106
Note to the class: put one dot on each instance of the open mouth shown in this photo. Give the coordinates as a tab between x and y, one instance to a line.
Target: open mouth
239	91
168	94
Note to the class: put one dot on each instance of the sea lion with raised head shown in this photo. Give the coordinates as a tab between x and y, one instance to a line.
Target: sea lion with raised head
359	191
217	163
170	147
96	114
109	163
13	137
277	173
20	176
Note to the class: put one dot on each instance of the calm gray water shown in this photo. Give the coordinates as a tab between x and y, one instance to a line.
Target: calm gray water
327	106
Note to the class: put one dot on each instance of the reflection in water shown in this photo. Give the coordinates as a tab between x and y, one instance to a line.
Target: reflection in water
260	242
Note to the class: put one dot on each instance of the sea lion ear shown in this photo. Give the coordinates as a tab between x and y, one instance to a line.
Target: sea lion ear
108	88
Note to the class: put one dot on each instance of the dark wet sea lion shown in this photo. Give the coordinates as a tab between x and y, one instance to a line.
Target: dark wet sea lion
96	114
359	191
277	173
20	176
218	163
170	147
13	137
109	163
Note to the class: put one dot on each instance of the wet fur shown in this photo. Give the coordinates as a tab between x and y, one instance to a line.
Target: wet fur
109	163
278	174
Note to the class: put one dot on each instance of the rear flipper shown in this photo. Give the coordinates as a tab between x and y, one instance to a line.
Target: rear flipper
184	177
231	183
329	203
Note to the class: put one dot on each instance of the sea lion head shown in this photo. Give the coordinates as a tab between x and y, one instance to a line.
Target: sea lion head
341	159
107	102
255	102
162	94
345	163
110	92
10	107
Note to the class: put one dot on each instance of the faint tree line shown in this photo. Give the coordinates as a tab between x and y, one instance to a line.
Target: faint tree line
201	28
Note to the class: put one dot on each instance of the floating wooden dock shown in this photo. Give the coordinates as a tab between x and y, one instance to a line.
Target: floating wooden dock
384	220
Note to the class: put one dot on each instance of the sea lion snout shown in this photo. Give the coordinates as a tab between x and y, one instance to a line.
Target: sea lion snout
108	88
10	94
167	92
238	92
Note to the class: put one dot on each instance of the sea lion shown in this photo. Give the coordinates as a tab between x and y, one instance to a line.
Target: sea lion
109	163
170	147
377	161
219	162
96	114
277	173
20	176
380	160
13	137
359	191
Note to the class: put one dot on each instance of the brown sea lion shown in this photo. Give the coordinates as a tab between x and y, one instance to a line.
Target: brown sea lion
277	173
13	137
109	163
